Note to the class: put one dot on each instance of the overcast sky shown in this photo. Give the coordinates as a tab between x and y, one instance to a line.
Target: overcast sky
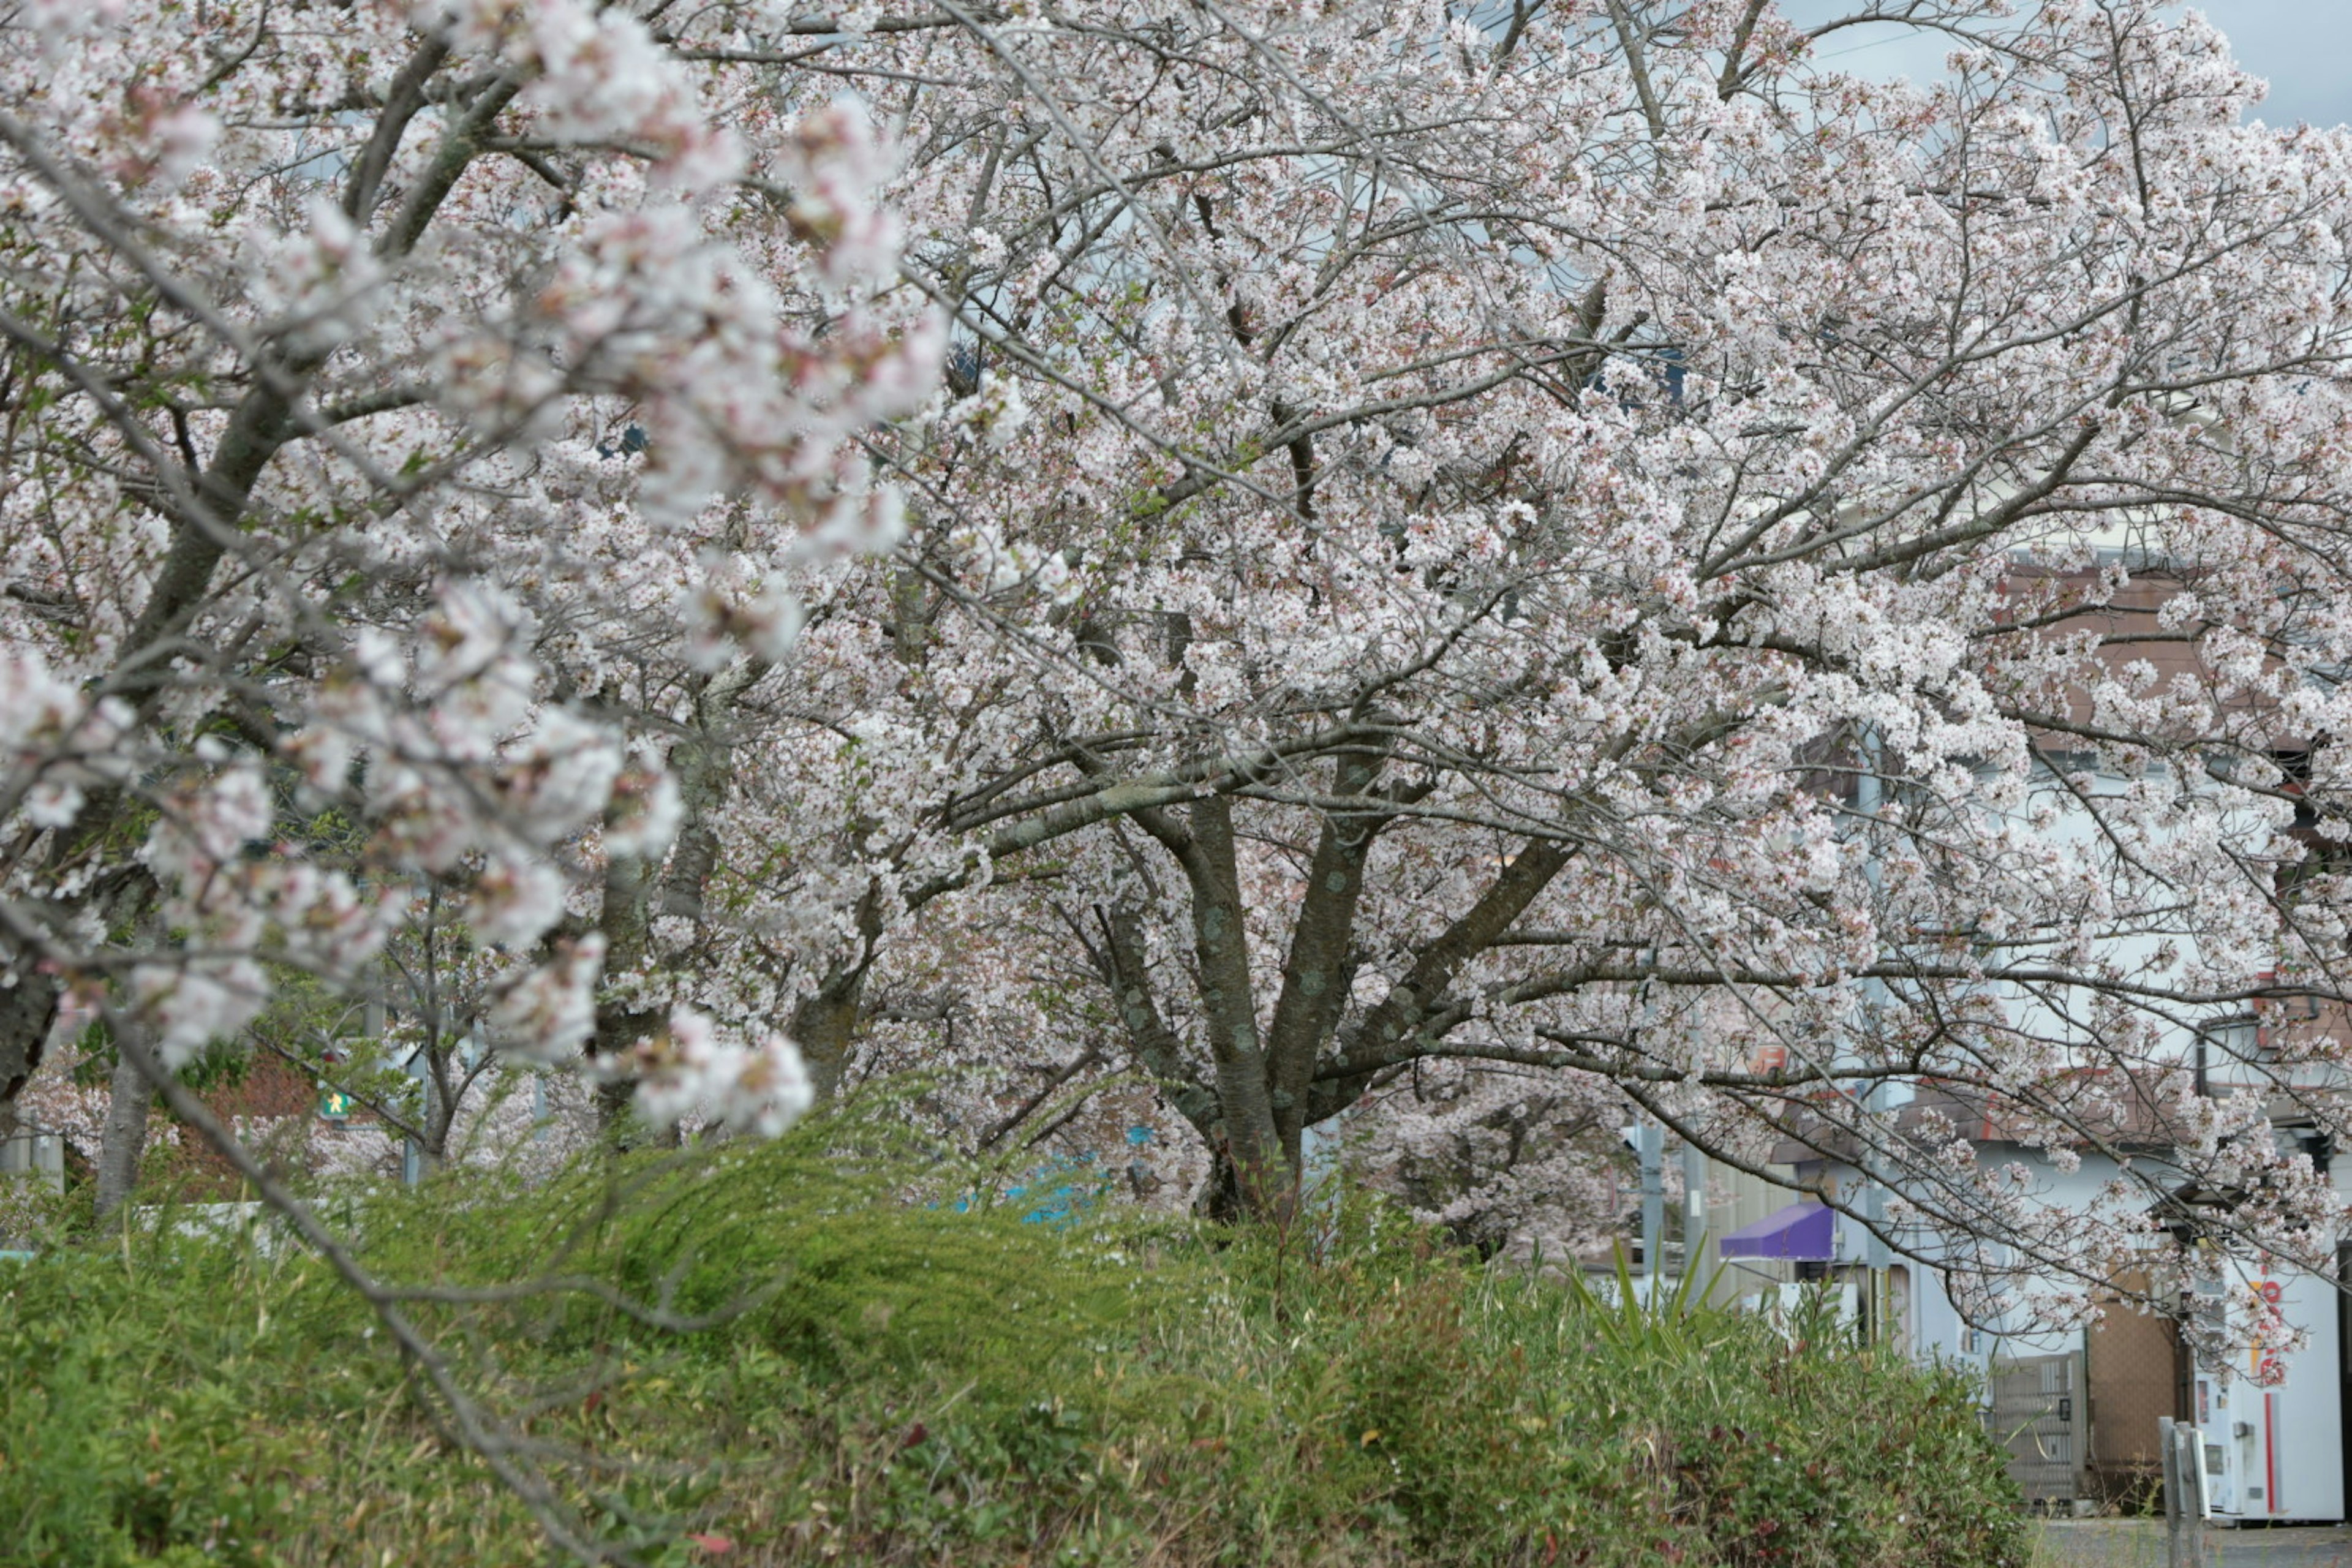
2303	48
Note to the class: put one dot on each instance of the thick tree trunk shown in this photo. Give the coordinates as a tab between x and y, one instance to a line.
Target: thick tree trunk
123	1140
1315	973
625	925
1267	1181
825	1028
1264	1094
702	765
28	1009
825	1024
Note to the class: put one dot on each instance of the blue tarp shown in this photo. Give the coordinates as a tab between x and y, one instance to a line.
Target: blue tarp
1057	1192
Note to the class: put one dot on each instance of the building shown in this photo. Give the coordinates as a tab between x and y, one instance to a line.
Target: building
2078	1408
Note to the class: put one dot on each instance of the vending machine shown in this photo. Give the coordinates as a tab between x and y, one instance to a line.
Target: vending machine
2273	1431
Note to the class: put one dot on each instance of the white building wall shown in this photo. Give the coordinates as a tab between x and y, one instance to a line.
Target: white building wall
2277	1449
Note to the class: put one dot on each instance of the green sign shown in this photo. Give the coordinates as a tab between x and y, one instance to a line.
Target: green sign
335	1105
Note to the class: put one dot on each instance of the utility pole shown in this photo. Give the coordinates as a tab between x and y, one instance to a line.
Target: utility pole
2184	1493
1694	1204
1869	795
413	1161
1650	1147
2170	1450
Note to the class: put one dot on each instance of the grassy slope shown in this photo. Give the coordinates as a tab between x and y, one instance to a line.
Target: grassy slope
892	1382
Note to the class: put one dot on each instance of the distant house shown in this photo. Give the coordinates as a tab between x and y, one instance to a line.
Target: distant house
2078	1409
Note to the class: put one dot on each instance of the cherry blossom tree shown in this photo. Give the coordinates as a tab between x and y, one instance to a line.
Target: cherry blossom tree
1583	544
1475	565
412	417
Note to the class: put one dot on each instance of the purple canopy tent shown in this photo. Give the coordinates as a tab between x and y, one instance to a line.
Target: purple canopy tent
1803	1233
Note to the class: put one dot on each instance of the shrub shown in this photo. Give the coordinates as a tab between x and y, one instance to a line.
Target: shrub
827	1361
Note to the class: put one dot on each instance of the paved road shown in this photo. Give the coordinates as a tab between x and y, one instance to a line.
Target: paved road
2139	1544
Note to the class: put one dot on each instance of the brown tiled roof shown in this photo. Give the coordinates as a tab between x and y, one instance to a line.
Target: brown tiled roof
2130	1109
2128	622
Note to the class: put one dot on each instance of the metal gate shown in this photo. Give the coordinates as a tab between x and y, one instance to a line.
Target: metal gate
2040	1415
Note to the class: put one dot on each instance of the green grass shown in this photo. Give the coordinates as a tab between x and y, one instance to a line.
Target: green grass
871	1377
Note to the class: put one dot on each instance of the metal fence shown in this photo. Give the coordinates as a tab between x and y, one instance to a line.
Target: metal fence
2040	1414
28	1152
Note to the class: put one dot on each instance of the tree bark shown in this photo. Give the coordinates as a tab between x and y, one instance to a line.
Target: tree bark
702	763
123	1140
1314	976
626	923
1158	1045
28	1007
824	1029
1228	1010
1412	1002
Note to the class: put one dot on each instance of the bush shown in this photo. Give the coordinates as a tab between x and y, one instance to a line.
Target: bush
824	1361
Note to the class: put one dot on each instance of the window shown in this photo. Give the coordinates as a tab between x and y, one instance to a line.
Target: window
2241	1040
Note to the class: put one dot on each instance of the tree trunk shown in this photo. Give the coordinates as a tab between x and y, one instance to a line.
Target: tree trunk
701	763
825	1028
124	1138
825	1024
1267	1181
1315	975
28	1007
625	924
